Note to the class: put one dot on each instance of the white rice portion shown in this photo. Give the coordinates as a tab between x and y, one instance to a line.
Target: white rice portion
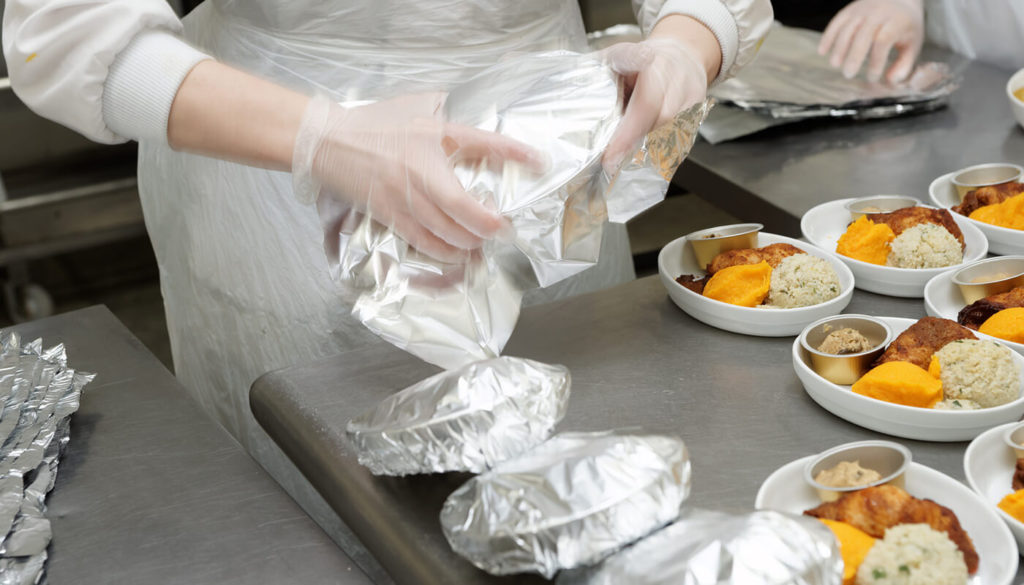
802	280
979	370
913	554
925	245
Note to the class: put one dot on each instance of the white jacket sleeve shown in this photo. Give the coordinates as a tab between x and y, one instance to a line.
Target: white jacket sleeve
108	69
739	25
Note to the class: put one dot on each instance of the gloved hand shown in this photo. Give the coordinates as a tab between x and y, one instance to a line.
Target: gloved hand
393	160
663	77
875	27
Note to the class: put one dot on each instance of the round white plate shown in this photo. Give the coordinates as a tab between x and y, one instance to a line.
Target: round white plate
786	491
989	464
677	258
823	225
910	422
1000	240
942	299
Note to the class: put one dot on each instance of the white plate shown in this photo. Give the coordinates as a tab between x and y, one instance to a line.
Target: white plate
942	299
785	490
677	258
911	422
823	225
1000	240
989	464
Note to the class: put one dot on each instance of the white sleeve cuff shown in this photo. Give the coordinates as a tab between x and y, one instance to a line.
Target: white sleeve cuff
714	15
142	82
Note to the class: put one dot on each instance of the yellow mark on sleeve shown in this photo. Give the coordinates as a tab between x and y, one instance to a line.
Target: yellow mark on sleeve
30	57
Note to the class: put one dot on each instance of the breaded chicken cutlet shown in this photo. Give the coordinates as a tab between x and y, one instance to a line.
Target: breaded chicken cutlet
983	196
976	313
875	509
921	340
903	219
772	254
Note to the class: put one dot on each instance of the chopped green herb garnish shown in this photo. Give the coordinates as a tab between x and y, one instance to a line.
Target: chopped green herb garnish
904	569
878	573
957	404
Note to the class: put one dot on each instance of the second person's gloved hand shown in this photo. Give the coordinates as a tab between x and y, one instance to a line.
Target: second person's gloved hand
394	159
663	77
869	30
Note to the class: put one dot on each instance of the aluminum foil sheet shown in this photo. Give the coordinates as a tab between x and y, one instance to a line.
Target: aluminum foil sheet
712	548
468	419
565	105
789	75
571	501
38	394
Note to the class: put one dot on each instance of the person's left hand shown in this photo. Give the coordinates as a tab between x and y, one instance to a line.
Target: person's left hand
663	77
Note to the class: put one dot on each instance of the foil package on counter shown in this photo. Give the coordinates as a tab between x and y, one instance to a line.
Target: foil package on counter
38	394
569	502
566	106
712	548
468	419
789	81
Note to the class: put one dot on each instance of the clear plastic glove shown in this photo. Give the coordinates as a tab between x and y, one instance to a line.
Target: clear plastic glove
875	27
663	77
393	160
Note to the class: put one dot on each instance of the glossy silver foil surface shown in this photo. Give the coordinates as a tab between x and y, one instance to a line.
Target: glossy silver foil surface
712	548
789	74
38	394
468	419
563	104
571	501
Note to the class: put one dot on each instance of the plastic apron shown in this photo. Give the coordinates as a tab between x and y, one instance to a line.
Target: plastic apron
243	272
991	30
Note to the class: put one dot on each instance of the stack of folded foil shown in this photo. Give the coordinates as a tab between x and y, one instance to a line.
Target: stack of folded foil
789	81
38	394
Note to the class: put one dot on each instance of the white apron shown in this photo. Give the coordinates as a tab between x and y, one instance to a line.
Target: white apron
243	273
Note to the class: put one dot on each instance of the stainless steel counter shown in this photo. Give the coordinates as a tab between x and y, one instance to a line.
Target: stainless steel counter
151	491
775	176
636	361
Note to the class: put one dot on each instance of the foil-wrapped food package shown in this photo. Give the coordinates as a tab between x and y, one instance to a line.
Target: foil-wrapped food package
563	104
790	76
468	419
571	501
713	548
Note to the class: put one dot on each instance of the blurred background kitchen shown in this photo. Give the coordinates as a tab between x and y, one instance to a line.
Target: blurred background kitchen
72	231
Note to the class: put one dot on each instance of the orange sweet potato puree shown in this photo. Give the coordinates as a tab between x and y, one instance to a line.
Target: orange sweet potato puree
1019	94
854	545
1008	214
746	284
901	383
866	241
1013	504
1007	324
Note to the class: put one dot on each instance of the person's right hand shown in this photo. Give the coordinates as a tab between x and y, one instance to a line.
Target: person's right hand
875	27
394	161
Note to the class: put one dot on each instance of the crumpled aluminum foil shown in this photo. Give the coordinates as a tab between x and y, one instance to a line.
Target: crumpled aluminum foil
789	74
38	394
712	548
463	420
570	501
565	105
